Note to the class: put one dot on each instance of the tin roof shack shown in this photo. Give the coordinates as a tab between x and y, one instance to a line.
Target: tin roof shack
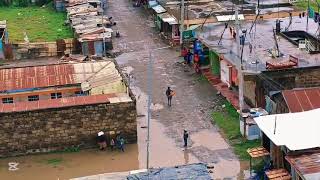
96	44
90	28
290	133
295	100
61	5
58	106
262	66
3	38
305	165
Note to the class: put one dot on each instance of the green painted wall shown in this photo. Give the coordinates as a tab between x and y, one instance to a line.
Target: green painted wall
214	62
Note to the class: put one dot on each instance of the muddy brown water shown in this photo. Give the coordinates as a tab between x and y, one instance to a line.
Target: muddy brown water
70	165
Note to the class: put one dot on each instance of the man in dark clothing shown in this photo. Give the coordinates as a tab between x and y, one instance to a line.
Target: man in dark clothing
169	94
185	138
102	140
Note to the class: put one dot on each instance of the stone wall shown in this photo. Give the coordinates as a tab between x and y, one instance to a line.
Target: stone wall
57	129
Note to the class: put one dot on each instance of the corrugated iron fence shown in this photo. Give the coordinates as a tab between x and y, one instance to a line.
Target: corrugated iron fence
41	49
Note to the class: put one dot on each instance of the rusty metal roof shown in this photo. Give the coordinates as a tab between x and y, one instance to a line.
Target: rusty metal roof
55	103
64	102
302	99
307	165
49	75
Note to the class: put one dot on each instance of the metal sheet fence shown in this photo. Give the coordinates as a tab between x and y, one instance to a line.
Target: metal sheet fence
42	49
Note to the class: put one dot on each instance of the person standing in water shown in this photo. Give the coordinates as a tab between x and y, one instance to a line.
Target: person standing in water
169	94
185	138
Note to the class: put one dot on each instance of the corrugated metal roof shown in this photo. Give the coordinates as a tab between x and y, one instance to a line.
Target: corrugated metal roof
49	75
159	9
302	99
307	165
64	102
166	17
55	103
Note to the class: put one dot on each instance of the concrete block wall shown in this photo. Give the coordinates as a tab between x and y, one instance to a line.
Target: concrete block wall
56	129
308	79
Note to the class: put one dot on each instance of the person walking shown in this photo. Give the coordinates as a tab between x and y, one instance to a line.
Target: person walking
122	144
185	138
112	144
102	140
169	94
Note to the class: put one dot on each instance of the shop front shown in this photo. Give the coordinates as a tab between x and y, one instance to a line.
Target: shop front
169	27
228	73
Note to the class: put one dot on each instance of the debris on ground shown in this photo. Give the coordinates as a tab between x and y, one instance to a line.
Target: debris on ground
197	171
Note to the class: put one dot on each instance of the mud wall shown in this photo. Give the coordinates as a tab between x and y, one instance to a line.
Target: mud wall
60	128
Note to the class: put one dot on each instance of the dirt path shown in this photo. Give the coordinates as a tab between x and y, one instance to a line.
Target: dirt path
191	106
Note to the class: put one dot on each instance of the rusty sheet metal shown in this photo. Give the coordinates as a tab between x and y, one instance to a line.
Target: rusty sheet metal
48	76
36	76
55	103
307	164
302	99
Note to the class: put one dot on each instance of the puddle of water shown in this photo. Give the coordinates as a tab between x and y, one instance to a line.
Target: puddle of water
163	150
213	141
70	165
210	139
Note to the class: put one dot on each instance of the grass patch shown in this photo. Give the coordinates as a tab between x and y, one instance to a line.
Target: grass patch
40	24
228	122
303	5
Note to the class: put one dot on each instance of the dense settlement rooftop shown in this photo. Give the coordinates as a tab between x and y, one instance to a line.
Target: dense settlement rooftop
101	79
261	39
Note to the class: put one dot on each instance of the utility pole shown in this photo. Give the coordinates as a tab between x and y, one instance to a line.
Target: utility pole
308	11
149	83
240	74
150	79
181	22
104	29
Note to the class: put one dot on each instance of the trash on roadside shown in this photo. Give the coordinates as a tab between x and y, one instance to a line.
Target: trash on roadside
13	166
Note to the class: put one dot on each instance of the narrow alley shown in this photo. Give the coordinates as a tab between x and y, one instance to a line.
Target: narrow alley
191	106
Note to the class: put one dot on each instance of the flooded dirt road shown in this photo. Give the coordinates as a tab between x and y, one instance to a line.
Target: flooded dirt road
63	166
191	106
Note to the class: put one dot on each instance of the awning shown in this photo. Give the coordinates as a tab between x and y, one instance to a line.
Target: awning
193	27
229	18
166	17
296	131
152	3
159	9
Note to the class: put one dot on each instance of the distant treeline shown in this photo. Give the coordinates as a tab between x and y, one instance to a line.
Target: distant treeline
23	3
